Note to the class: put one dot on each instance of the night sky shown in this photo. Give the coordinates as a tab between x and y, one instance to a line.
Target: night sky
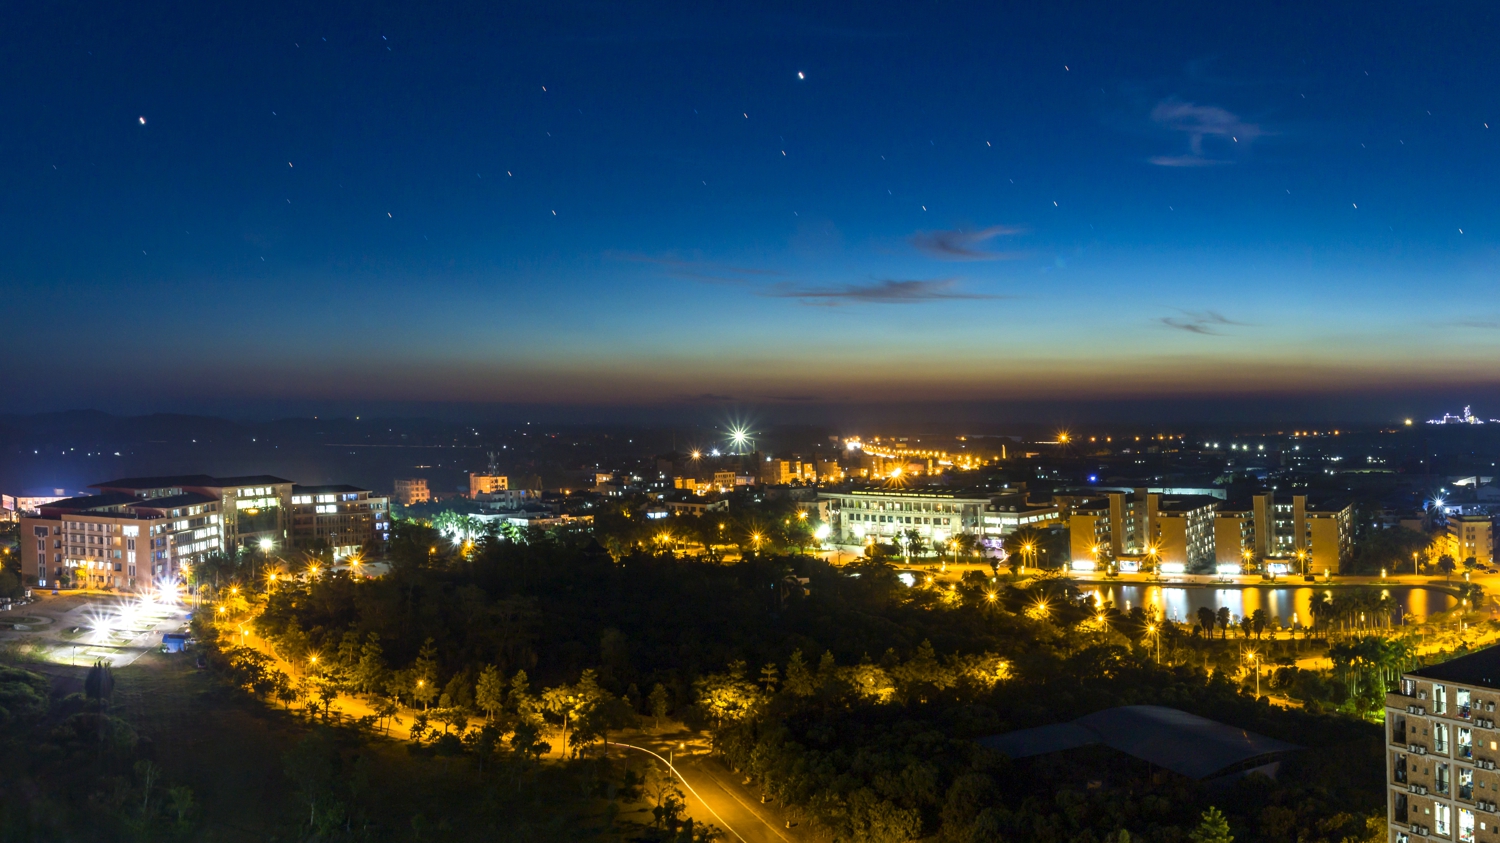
253	208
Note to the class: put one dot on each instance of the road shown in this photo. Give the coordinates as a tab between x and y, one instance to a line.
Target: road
714	794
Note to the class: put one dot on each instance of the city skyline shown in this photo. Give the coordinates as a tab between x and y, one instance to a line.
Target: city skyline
1204	212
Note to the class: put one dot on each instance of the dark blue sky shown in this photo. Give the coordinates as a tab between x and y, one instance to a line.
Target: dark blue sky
644	204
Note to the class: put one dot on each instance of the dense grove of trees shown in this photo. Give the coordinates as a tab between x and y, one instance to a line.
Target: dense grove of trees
75	771
842	692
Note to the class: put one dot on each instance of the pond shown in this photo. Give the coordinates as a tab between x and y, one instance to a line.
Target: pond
1285	604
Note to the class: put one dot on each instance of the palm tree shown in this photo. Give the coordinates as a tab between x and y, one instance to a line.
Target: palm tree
1206	620
1224	619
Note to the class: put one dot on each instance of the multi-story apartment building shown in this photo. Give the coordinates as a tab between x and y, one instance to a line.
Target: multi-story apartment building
1470	536
1181	529
487	484
774	472
1091	532
411	490
250	508
1442	750
118	540
344	519
1174	531
1242	529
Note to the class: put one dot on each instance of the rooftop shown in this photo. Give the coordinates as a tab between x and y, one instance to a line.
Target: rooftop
1478	669
1185	503
1184	743
91	502
965	493
331	489
178	481
173	501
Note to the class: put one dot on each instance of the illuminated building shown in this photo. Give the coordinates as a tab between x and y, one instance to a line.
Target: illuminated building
250	508
341	518
1466	418
1009	513
143	530
1470	536
889	455
935	513
774	472
486	484
1441	751
411	491
1135	530
1285	536
118	540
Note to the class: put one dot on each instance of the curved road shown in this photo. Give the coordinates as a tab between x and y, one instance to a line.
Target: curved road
714	795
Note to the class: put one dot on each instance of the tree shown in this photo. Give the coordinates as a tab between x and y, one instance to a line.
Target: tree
768	677
1258	622
527	740
1206	620
424	692
1213	829
659	700
369	672
521	703
1447	565
311	765
489	693
799	679
349	649
424	674
560	701
1224	619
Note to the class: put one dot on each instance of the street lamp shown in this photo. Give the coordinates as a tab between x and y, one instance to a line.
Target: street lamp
1151	630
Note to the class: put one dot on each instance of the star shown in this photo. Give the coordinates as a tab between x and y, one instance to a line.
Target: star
143	120
800	76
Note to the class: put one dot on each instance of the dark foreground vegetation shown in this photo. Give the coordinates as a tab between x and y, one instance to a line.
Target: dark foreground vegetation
838	691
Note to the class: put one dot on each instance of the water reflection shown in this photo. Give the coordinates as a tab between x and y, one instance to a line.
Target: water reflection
1283	605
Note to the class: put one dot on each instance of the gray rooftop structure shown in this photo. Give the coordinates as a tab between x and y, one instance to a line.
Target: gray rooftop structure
1184	743
1481	668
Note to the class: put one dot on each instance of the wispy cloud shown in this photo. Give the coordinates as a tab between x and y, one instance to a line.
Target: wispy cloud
705	397
1205	322
884	291
1199	122
708	271
1473	323
960	245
